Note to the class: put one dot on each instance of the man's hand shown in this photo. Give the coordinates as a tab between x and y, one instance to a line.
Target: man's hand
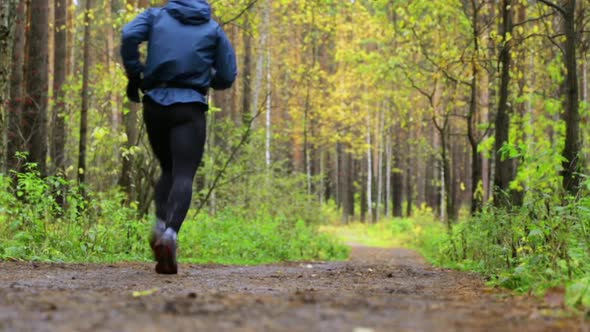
133	88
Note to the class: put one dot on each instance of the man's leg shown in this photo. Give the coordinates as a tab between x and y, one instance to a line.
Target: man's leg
158	130
187	142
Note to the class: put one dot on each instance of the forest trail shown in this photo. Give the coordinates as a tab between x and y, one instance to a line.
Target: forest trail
376	290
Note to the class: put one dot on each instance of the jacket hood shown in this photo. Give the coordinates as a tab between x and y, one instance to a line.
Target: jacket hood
193	12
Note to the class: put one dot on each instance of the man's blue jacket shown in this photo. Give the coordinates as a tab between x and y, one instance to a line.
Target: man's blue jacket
188	52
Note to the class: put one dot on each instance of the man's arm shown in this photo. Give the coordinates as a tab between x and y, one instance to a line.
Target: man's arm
225	64
134	33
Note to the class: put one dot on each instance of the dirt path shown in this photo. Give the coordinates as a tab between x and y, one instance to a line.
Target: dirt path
377	290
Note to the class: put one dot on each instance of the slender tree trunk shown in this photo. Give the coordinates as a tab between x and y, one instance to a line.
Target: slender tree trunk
410	171
14	135
37	81
431	168
364	190
369	168
113	99
85	96
8	11
421	174
483	102
571	151
262	53
397	180
7	22
472	116
322	189
347	187
338	175
380	166
503	166
210	142
268	84
353	170
60	67
388	157
71	40
246	74
446	191
131	124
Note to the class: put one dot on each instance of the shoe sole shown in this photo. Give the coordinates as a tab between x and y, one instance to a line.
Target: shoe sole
166	260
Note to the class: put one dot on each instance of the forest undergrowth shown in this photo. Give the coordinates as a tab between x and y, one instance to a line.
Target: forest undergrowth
100	227
542	246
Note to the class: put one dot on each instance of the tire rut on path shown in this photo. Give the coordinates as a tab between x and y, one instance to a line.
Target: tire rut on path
376	290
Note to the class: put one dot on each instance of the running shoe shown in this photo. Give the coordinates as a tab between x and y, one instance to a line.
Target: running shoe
165	252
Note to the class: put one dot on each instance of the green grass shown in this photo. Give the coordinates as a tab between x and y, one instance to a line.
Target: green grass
226	239
231	239
423	234
101	228
508	249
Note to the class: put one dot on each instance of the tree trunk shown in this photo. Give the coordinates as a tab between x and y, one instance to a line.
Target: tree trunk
503	166
246	75
364	190
8	17
15	106
446	191
58	140
85	97
131	124
130	121
396	178
7	20
347	187
472	116
37	80
268	83
380	165
71	40
113	99
369	168
338	175
388	157
571	151
409	187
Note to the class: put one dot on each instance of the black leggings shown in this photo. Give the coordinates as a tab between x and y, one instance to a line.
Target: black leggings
177	136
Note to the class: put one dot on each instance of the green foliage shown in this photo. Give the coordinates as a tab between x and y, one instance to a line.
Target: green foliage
233	238
544	243
34	225
100	228
422	233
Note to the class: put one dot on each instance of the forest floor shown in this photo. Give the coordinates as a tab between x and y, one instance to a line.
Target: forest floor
376	290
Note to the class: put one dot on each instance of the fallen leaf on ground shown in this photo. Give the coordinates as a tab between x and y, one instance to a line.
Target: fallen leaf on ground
145	292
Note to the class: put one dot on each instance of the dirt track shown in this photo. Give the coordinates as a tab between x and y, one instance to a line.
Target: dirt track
377	290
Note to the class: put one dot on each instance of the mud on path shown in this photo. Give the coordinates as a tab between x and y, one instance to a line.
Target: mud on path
377	290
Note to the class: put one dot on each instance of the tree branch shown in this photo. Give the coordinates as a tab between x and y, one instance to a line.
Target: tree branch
219	175
553	5
534	19
250	5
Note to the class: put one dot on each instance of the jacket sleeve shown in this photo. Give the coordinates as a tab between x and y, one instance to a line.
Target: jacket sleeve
225	63
134	33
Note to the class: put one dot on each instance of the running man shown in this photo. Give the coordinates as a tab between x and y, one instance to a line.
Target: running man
188	53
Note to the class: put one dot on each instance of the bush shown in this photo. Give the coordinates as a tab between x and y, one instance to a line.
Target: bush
101	228
544	243
231	238
34	226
